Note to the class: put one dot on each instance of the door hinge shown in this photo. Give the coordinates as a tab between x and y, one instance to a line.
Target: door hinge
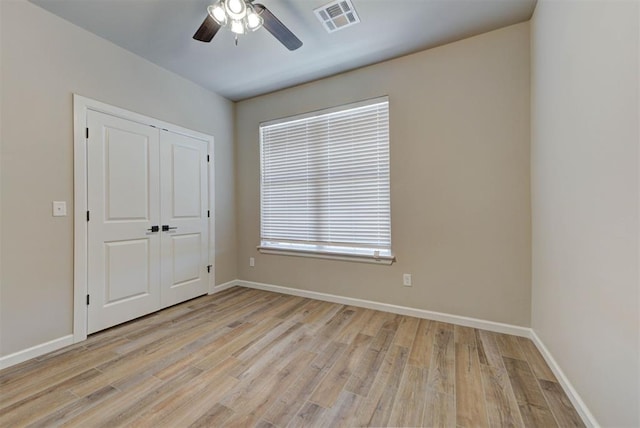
208	213
209	268
87	132
207	158
88	299
87	215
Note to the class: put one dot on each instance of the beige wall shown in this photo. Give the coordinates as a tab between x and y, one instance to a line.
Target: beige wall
585	194
44	60
459	180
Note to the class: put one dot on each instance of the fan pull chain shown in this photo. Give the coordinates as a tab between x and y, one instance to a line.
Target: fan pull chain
236	37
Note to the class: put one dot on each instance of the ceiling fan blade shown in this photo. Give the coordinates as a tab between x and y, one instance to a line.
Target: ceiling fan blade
207	30
277	28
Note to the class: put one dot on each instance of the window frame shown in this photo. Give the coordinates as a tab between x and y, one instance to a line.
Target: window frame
323	250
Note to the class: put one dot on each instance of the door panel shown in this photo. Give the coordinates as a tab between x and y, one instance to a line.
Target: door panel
186	267
123	200
127	174
127	270
184	209
186	185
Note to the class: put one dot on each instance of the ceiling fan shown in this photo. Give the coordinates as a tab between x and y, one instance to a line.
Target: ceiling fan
243	15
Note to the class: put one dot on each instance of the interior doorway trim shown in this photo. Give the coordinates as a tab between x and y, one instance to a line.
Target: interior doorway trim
81	106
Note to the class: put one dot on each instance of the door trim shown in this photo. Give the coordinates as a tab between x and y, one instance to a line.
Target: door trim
81	105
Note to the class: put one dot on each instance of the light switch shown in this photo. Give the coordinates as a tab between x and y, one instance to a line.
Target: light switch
59	208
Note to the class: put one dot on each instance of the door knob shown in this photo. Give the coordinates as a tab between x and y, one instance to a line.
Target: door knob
154	229
166	228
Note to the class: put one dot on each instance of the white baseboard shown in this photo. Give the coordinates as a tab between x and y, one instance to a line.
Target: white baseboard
35	351
582	409
224	286
395	309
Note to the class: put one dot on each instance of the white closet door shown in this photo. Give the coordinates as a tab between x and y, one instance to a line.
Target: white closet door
184	205
123	201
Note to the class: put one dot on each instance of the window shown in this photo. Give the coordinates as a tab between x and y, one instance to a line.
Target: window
325	183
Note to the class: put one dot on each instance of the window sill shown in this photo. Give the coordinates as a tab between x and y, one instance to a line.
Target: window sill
360	258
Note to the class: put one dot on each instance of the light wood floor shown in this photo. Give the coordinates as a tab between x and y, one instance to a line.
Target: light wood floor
253	358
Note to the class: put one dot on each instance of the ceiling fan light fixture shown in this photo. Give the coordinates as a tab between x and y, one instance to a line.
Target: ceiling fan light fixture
240	17
236	9
254	21
237	26
216	11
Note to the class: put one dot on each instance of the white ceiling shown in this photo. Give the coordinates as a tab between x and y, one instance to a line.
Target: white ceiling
161	31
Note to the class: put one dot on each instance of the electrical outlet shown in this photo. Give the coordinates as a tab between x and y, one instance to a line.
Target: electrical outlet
252	261
406	280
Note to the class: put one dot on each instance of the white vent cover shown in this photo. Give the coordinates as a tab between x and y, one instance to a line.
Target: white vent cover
337	15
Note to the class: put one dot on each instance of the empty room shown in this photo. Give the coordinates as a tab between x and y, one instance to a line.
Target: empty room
319	213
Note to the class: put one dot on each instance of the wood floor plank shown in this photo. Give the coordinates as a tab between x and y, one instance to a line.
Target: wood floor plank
464	335
273	308
358	321
246	357
392	321
406	332
40	398
259	395
287	406
36	368
531	401
137	407
560	405
362	378
309	416
470	402
277	355
327	331
539	366
329	355
442	367
199	350
214	417
296	304
23	413
376	409
420	355
322	313
408	406
38	381
509	346
127	369
305	311
502	408
194	406
256	346
115	404
65	413
440	409
236	342
189	400
328	391
488	350
375	323
343	413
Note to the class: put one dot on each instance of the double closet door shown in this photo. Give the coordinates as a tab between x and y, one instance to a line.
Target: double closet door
147	192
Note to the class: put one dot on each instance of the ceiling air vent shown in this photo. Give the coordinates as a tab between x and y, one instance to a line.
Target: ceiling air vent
337	15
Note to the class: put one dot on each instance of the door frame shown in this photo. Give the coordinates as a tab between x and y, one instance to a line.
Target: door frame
81	106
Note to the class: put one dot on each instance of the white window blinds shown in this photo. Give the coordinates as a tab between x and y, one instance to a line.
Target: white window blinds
325	182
